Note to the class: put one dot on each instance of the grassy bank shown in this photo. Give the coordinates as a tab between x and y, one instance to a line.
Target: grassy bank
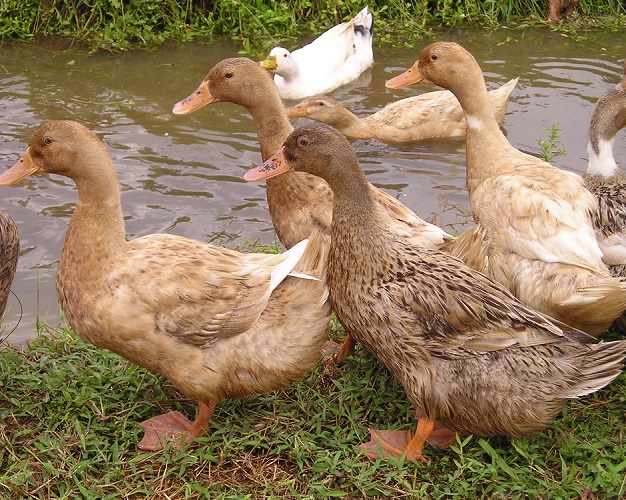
118	24
69	416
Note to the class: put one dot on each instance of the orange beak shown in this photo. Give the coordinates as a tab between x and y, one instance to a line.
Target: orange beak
297	111
22	169
274	166
409	77
201	97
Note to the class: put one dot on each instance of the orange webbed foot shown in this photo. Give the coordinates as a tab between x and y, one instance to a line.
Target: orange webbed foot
441	436
400	443
390	443
171	427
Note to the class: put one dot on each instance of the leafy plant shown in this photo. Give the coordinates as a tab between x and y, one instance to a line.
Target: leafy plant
552	147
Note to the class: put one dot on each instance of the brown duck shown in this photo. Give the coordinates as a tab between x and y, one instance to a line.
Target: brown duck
467	352
9	251
537	218
433	115
606	181
217	323
300	203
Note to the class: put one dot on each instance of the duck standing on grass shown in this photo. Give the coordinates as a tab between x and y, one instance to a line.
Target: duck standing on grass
300	203
217	323
9	252
434	115
537	218
467	352
336	57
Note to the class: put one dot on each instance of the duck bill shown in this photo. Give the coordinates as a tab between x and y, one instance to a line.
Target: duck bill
297	111
274	166
22	169
201	97
409	77
269	63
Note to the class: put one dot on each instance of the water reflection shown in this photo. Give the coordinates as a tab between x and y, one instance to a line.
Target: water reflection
182	174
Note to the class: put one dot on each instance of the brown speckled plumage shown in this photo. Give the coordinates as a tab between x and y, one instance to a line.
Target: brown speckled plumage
606	181
467	352
433	115
9	251
205	317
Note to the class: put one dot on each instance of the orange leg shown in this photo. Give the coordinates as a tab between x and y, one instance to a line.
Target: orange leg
416	445
175	427
397	443
347	348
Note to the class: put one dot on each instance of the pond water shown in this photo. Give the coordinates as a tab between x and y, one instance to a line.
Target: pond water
183	174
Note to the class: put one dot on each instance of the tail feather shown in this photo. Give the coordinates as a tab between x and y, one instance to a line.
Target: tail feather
364	23
290	261
600	365
314	260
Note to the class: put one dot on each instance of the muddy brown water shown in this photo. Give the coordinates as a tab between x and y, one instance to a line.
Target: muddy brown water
183	174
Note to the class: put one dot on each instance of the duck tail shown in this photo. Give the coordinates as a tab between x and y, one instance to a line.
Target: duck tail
599	365
364	23
314	260
500	98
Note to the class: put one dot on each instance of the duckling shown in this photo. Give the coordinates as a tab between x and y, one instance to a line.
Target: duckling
9	252
217	323
467	352
434	115
335	58
538	219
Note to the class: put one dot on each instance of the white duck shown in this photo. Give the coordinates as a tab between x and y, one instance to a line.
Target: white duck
335	58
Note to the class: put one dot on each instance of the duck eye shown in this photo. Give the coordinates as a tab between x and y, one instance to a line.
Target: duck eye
434	57
284	55
228	75
303	141
47	141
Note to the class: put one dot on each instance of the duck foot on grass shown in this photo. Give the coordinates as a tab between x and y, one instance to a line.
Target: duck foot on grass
174	427
345	349
397	443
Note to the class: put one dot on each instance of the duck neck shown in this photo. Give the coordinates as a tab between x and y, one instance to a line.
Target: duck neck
607	119
485	142
96	235
355	208
351	125
601	160
271	123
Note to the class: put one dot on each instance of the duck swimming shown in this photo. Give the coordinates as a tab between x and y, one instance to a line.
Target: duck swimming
433	115
335	58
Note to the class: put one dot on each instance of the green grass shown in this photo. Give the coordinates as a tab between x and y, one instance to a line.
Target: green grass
70	414
120	25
